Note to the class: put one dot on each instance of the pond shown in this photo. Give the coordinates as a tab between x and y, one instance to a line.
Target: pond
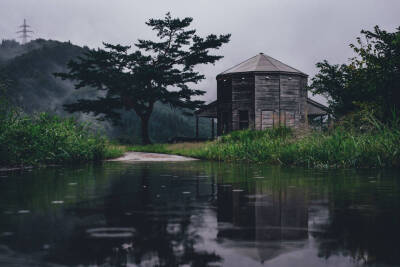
199	214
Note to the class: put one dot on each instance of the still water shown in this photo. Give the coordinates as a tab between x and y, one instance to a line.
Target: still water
199	214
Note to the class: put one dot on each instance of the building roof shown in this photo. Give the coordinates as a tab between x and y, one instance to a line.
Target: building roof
316	109
208	111
262	63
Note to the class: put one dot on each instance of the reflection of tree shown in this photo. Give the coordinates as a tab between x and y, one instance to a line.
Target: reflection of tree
260	218
363	223
367	236
160	216
44	222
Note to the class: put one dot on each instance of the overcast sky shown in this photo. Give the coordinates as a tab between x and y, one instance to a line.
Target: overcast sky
298	32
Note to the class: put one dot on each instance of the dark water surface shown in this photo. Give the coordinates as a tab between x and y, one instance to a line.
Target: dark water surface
199	214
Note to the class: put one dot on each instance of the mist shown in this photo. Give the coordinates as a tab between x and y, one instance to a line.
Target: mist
299	33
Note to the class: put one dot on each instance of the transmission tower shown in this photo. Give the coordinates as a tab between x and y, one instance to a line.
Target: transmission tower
25	31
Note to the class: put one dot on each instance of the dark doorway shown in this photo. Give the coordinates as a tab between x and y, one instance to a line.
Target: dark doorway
243	119
225	122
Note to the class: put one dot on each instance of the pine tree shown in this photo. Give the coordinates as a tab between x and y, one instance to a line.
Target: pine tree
161	70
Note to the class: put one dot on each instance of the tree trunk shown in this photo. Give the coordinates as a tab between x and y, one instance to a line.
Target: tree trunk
145	130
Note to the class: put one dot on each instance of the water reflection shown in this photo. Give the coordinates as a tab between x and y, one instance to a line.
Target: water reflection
199	214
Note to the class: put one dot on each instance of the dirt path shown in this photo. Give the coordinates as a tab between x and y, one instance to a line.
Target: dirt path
143	156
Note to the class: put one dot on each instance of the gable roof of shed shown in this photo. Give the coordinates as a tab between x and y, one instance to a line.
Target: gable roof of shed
262	63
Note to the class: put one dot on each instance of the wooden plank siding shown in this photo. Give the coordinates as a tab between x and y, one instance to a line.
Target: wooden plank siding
224	96
271	99
242	98
289	93
268	118
283	96
303	102
290	100
266	97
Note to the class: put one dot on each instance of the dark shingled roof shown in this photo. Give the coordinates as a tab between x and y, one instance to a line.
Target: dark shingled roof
262	63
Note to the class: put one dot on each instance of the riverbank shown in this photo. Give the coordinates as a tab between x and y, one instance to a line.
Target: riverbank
338	148
43	139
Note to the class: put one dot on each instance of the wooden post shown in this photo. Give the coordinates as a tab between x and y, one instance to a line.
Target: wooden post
197	127
212	128
330	121
322	121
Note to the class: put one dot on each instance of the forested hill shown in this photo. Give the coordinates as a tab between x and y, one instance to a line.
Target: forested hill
29	69
33	86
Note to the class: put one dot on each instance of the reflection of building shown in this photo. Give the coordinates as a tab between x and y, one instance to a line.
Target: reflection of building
270	217
281	215
232	209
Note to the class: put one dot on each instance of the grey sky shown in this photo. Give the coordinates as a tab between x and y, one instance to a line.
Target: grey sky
299	33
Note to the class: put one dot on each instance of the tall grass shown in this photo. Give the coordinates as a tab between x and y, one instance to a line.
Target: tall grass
46	139
338	148
342	148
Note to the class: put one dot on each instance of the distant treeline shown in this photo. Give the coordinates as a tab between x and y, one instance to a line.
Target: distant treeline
28	72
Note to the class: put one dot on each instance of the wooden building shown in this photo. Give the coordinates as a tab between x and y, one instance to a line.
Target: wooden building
261	93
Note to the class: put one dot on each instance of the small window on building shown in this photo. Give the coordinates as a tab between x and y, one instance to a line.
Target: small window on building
243	119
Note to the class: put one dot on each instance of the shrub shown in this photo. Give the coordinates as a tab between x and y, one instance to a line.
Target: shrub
46	139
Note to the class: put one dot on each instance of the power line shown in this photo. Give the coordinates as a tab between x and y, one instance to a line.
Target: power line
25	32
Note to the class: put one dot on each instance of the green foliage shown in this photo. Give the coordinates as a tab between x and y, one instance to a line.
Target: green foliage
4	103
165	123
39	91
340	148
114	151
249	136
30	74
137	80
364	119
46	139
371	77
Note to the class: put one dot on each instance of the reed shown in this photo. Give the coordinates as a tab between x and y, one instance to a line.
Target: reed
338	148
43	139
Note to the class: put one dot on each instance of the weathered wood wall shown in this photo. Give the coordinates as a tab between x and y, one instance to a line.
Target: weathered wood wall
266	99
279	100
242	98
224	99
271	99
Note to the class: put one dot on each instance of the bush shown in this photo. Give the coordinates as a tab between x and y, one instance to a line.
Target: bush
46	139
338	148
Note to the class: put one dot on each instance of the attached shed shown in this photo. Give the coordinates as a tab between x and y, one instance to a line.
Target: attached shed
317	112
315	109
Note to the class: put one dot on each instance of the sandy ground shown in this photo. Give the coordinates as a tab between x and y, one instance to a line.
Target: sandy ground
142	156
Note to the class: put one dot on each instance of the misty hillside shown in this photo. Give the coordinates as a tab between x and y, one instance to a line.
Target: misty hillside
11	48
33	87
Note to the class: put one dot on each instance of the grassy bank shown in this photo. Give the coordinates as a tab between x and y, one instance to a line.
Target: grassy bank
338	148
42	139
